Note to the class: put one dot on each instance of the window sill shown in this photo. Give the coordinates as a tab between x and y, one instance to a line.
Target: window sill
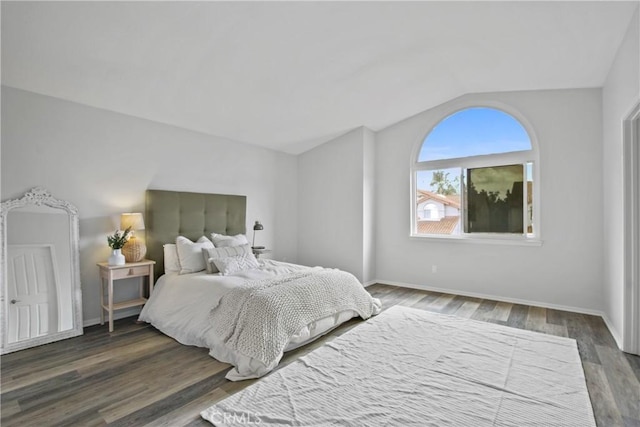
485	240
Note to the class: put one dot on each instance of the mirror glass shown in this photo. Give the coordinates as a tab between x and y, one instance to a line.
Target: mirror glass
41	299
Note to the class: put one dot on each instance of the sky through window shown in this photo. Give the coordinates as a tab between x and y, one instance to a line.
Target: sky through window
472	132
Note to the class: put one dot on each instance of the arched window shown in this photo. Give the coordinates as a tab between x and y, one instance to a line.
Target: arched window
478	164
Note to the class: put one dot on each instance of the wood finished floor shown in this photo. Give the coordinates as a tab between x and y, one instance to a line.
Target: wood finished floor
136	376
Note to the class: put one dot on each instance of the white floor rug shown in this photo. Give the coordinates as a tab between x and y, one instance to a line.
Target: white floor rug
408	367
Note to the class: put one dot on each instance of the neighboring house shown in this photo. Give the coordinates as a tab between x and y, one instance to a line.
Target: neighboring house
437	213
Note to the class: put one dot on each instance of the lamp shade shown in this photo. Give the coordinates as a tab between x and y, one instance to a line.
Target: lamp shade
256	227
133	220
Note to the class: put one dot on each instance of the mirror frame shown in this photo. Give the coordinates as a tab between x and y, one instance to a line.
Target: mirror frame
39	196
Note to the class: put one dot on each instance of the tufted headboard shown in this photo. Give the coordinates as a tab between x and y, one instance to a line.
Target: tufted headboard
170	214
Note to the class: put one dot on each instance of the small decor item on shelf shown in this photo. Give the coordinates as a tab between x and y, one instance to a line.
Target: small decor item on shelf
134	249
116	242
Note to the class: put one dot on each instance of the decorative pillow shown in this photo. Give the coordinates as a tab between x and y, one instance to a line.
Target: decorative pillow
171	263
190	254
213	253
222	241
234	264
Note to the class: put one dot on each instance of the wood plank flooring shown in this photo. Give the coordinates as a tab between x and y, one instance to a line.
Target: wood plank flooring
137	376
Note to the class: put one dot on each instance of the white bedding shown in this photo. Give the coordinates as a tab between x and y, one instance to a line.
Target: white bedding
180	306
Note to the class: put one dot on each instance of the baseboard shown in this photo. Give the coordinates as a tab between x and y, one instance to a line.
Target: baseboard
509	300
120	314
614	332
370	282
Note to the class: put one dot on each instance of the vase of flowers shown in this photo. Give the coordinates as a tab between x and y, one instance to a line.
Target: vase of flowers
116	242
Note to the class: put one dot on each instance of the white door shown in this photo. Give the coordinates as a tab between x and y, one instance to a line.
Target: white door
631	327
636	220
31	292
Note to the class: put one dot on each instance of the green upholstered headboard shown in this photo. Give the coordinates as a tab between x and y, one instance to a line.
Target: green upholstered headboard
170	214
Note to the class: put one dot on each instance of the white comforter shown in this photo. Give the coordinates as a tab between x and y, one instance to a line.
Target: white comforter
180	307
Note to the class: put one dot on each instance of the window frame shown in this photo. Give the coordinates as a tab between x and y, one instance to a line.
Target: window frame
479	161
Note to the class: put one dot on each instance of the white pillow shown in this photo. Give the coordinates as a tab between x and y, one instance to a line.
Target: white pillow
190	254
222	241
213	253
171	263
234	264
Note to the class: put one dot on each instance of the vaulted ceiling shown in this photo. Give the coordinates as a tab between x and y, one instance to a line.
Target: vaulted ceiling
289	75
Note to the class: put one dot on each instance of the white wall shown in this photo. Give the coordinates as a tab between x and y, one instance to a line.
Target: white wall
620	93
336	184
346	203
566	270
103	162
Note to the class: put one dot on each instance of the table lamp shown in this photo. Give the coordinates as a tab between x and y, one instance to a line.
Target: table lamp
134	250
256	227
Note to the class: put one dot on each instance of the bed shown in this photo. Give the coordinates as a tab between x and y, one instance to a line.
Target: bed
250	312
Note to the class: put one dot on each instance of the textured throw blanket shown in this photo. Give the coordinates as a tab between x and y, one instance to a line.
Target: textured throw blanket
259	318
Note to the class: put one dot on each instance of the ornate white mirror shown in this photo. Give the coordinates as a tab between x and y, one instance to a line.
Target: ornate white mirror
40	295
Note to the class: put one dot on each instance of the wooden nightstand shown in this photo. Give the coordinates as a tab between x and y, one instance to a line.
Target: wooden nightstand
110	273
